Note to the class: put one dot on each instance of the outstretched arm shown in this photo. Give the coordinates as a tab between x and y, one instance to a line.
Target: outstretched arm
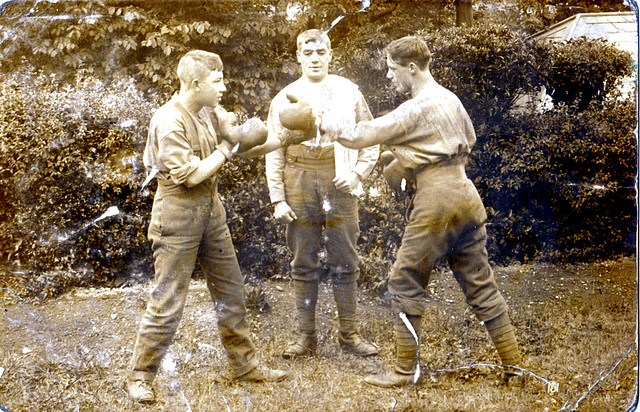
370	133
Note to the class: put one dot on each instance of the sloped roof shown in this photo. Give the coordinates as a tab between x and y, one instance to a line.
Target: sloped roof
619	28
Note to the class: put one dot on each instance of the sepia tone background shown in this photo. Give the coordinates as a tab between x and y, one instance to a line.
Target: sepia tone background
555	163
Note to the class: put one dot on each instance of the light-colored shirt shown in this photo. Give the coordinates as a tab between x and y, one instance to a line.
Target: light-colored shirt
336	100
431	127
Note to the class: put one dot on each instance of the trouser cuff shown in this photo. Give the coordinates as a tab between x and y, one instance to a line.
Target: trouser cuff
239	371
134	376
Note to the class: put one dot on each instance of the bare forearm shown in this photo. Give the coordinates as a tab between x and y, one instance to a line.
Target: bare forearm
272	143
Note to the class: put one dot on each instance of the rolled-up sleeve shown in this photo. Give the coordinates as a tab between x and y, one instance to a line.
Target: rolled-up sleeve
176	156
367	157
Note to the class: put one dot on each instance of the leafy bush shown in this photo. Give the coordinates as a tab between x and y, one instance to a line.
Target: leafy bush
488	67
557	185
584	70
258	238
70	196
564	182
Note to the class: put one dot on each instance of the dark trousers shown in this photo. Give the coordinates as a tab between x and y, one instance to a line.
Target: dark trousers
322	212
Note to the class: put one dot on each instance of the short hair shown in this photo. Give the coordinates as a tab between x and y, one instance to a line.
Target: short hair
409	49
313	36
197	64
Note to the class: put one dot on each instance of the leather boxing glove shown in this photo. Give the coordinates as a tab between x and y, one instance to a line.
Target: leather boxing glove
395	173
250	134
298	115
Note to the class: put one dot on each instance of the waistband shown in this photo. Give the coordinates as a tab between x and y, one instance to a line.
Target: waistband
443	171
308	158
167	187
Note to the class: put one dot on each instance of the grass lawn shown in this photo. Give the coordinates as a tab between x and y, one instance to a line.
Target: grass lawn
576	325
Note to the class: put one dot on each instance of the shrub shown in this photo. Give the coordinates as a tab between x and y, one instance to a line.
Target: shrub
557	185
562	184
70	190
584	70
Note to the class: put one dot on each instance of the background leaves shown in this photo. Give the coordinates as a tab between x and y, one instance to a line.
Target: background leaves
80	81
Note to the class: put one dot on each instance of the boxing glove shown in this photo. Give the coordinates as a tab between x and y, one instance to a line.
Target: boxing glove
250	134
298	114
394	173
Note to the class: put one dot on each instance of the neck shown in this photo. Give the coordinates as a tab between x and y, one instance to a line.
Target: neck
315	81
421	82
188	100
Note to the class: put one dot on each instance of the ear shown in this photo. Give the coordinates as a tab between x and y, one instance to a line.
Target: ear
195	85
413	68
298	56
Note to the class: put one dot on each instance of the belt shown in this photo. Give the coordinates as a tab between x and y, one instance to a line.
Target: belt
443	171
167	187
308	158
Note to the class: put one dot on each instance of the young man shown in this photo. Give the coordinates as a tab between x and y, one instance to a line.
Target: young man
188	223
314	187
431	135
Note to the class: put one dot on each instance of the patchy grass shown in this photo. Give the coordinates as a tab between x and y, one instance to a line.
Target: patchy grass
576	325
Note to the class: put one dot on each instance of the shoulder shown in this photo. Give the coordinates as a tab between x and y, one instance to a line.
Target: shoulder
166	119
443	94
341	82
165	112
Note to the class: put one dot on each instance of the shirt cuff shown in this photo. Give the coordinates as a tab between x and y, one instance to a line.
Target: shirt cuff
179	175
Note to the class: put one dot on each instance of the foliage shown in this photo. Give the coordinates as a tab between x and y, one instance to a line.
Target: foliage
584	70
140	38
487	66
258	238
67	156
565	181
85	129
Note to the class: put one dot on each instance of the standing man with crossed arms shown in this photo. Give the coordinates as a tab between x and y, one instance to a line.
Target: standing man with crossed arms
431	136
314	187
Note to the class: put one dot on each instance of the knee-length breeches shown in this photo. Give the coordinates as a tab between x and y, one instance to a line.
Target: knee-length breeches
448	220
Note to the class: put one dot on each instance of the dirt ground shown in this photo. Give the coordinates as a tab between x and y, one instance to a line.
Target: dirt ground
94	329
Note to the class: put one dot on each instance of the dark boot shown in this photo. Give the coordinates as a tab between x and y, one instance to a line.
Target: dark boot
306	294
407	355
349	339
504	338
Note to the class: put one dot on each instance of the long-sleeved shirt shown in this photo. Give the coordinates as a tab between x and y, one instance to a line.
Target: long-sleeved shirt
179	139
432	126
336	100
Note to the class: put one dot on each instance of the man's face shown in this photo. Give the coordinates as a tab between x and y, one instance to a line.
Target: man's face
314	57
211	88
400	76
